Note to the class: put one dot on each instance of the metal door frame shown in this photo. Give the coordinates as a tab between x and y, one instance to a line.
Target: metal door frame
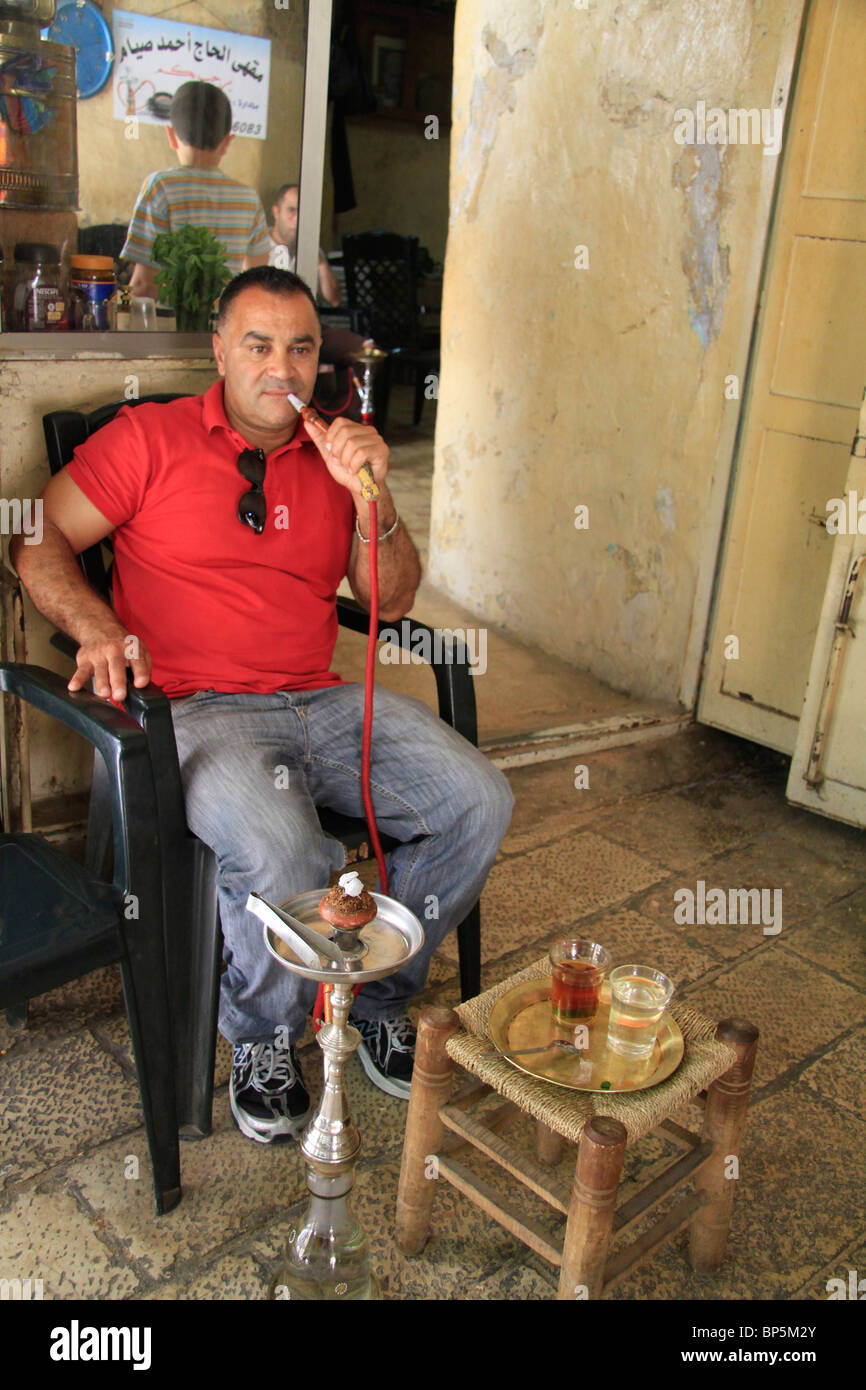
314	129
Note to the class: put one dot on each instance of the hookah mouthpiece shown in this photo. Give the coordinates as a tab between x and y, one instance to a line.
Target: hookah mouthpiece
369	486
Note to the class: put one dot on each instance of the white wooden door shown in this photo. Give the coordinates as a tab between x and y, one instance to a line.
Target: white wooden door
803	397
828	770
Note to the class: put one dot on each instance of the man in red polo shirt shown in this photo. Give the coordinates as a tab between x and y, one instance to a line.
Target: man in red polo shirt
232	529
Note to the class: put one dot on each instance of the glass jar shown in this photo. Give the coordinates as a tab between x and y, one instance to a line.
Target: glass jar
31	12
92	285
38	302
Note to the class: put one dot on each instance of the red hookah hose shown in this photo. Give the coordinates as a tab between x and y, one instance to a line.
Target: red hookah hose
322	1005
369	682
341	409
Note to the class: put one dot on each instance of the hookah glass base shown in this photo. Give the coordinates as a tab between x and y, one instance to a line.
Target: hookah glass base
328	1258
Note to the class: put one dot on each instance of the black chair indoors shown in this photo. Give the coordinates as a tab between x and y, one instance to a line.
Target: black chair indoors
382	287
60	922
193	942
106	239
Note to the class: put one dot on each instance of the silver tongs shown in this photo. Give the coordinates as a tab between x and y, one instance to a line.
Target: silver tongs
308	945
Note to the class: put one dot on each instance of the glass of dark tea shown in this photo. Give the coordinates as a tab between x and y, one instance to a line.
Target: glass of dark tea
578	968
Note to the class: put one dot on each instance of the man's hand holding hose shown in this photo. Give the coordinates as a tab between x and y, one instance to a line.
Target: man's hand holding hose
346	447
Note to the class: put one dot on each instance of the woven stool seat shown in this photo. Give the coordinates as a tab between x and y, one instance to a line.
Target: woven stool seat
715	1071
566	1112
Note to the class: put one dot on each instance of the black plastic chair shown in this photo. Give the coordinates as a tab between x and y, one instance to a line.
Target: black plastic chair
105	239
382	288
60	921
190	870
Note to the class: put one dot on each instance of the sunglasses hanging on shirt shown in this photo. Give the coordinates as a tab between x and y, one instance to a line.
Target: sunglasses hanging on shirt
252	507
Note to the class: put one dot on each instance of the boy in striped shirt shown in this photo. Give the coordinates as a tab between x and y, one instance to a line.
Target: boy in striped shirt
197	191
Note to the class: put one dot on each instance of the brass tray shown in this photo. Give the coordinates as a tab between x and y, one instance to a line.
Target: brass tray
523	1018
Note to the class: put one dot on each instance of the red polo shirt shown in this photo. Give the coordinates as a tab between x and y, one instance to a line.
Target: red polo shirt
217	605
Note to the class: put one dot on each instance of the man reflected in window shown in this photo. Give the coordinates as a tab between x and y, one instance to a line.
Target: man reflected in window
284	243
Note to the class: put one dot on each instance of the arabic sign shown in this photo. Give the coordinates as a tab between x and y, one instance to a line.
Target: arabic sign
156	56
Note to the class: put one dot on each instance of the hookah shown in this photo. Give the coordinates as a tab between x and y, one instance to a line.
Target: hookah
328	1256
369	360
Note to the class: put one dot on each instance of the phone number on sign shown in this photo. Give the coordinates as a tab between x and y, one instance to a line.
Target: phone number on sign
246	127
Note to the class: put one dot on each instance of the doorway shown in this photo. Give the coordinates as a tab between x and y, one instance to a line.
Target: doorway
801	408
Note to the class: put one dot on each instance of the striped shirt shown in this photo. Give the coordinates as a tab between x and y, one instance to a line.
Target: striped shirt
204	198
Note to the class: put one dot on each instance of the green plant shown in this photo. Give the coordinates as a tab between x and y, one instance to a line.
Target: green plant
193	272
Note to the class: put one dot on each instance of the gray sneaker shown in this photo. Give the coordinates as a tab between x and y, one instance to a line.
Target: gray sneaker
267	1094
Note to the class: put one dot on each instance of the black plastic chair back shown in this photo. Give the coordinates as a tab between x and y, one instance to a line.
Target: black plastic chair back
382	287
105	239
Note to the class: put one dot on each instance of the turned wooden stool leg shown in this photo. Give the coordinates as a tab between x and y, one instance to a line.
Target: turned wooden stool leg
431	1086
548	1144
724	1121
593	1200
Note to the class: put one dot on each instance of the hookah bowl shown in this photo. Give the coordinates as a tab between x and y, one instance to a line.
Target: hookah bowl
370	360
328	1257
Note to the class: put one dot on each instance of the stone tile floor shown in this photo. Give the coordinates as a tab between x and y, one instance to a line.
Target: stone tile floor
75	1197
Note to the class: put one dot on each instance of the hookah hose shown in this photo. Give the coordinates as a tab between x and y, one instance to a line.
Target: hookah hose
369	682
323	997
340	409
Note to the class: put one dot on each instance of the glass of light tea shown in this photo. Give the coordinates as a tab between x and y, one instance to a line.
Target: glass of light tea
639	996
578	968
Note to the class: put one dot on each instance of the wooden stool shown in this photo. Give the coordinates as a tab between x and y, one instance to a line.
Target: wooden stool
716	1070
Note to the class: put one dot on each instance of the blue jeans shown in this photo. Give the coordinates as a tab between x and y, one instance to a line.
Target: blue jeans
255	767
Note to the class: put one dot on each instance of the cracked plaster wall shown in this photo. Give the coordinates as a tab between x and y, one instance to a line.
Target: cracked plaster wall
604	385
